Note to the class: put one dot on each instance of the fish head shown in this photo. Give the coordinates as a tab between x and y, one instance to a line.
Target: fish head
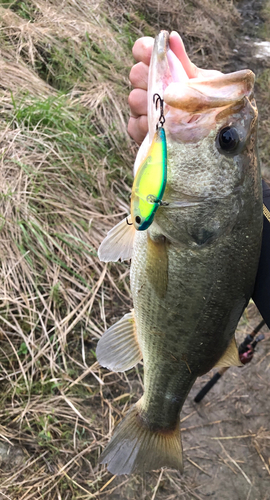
211	130
200	107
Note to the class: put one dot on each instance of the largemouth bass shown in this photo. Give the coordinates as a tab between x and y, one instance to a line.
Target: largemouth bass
193	269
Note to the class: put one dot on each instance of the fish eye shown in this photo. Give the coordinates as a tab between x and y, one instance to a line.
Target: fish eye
228	139
138	219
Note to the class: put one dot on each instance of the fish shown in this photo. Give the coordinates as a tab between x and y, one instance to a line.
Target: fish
193	269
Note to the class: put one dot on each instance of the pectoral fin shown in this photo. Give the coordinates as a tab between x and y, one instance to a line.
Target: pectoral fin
157	264
118	243
230	357
118	349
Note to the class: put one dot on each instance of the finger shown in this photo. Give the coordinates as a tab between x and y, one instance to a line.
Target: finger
177	46
138	128
137	101
139	75
142	49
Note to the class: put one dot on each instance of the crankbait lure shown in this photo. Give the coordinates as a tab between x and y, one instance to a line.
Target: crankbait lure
150	180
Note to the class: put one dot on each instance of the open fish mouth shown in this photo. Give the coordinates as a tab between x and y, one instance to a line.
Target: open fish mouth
192	106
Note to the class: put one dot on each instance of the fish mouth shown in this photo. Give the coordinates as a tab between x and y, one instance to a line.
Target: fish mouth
192	105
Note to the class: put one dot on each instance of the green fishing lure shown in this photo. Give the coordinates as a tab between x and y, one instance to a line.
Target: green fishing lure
149	183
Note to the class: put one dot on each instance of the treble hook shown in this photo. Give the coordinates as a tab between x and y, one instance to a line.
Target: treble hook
156	99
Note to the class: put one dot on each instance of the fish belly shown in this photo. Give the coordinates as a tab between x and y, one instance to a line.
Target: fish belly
187	302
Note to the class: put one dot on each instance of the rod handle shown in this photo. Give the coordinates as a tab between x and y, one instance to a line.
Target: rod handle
207	387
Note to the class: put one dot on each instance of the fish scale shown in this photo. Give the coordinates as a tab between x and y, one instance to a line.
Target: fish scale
185	323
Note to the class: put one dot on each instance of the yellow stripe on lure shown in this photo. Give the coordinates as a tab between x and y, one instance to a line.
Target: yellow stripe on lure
149	183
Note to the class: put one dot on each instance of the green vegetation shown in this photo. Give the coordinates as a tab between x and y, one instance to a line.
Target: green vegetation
65	163
26	10
264	31
263	86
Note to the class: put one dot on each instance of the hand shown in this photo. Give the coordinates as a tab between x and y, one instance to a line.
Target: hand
142	50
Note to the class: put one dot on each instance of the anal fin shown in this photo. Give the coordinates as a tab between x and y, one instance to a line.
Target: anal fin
118	243
157	264
118	349
230	357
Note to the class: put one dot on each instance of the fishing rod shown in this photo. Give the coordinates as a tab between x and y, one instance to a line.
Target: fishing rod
246	350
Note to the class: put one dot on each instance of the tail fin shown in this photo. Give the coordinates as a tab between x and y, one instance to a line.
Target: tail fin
135	448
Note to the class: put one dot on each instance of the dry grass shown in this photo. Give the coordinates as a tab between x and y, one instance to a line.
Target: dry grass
63	166
66	164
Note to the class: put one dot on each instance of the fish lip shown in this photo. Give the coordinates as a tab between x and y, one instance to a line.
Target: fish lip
161	73
197	96
163	42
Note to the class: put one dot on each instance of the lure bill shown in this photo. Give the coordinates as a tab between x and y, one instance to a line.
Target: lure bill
149	183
